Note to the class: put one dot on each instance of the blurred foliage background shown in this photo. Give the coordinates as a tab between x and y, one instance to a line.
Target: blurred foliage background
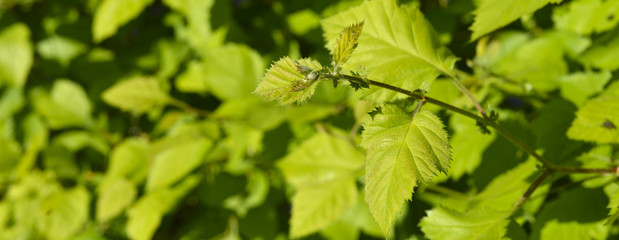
135	119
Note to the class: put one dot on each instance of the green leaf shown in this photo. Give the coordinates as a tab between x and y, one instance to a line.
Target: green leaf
397	45
138	94
129	160
115	195
603	52
574	230
63	213
480	223
401	151
550	129
540	61
323	170
468	144
16	55
232	71
577	87
597	120
68	105
61	49
146	214
112	14
346	43
11	101
174	163
198	15
281	80
587	16
491	15
192	79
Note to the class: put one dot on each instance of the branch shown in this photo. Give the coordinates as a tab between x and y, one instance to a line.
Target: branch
549	165
538	182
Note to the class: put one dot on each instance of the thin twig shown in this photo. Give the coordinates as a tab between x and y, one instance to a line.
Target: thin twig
538	182
483	120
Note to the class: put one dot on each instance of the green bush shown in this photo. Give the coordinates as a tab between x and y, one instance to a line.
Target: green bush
143	119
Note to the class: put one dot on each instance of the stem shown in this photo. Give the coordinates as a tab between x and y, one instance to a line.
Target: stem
549	165
466	92
538	182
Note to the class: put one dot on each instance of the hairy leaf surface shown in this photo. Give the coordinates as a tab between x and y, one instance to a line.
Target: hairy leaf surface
491	15
397	44
346	43
285	83
402	151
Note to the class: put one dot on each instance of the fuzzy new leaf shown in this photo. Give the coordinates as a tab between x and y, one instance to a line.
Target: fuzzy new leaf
285	83
346	43
401	153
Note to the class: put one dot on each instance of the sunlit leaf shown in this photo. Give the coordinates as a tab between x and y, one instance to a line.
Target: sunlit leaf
346	43
232	71
482	223
138	94
491	15
16	54
603	52
402	151
283	81
323	171
198	15
468	144
577	87
64	213
397	45
146	214
115	195
597	120
112	14
587	16
174	163
61	49
67	105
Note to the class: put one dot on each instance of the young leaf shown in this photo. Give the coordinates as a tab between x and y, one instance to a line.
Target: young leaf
285	82
598	118
346	43
139	94
400	154
397	44
491	15
323	170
